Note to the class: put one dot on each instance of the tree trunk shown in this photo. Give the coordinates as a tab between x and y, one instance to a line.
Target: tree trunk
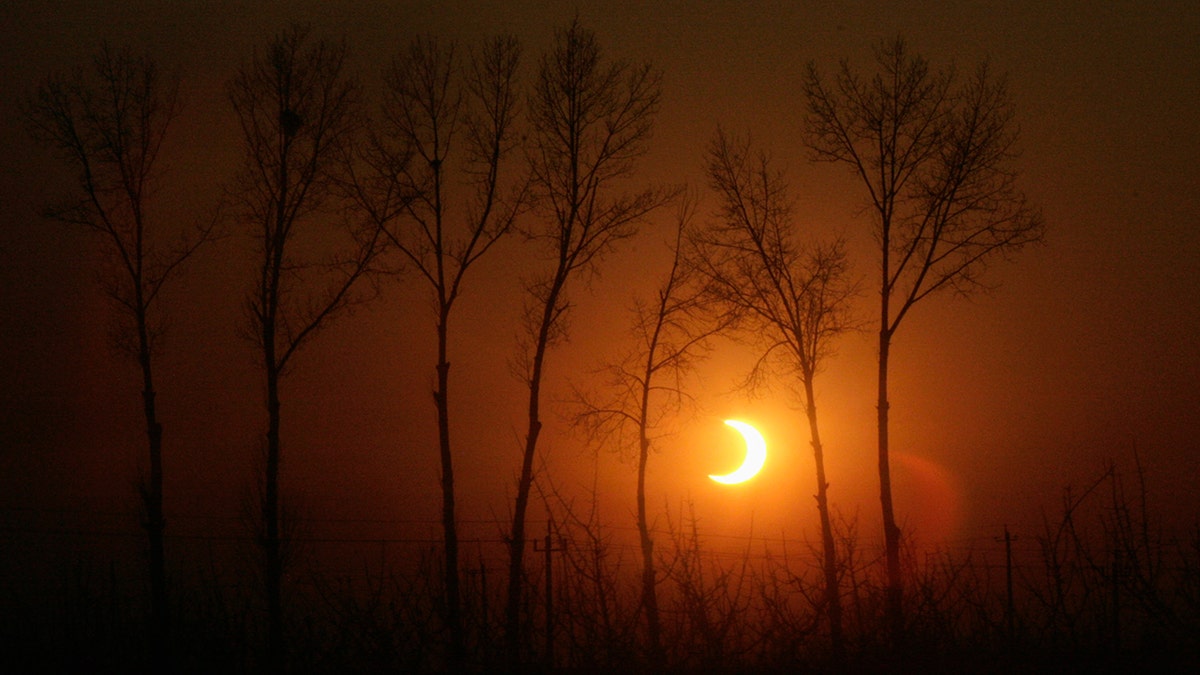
516	551
891	533
649	592
152	496
512	613
271	536
833	596
449	522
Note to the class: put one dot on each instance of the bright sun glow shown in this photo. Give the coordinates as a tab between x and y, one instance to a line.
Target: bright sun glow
756	455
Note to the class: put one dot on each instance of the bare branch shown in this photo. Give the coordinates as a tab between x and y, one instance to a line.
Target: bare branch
109	124
298	110
934	156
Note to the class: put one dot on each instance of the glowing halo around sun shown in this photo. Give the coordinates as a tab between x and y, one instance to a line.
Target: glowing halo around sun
756	455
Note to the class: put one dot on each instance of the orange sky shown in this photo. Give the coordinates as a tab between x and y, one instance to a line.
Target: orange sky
1087	349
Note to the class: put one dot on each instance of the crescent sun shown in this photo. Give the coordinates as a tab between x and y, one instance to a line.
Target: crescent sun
756	455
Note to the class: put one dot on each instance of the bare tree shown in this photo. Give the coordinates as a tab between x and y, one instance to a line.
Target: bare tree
644	390
591	119
790	298
442	120
934	153
109	123
297	108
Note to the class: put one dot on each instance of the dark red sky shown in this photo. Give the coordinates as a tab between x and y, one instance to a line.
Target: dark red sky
1087	349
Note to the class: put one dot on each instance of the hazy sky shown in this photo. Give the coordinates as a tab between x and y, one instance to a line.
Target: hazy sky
1086	350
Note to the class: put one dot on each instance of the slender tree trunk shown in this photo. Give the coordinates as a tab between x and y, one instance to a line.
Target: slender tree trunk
271	536
516	554
893	607
516	559
449	522
155	520
833	596
891	533
273	567
649	591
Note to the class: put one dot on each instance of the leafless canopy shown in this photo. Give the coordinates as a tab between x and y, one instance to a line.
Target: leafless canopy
440	114
644	388
590	120
109	123
935	152
791	294
298	111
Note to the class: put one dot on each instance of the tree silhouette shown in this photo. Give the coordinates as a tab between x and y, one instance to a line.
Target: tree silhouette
934	153
444	120
590	120
643	390
109	123
791	299
297	108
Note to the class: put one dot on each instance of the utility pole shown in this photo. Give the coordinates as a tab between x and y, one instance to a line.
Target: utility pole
549	549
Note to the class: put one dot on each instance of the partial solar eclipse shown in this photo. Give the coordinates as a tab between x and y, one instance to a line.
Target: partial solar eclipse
756	455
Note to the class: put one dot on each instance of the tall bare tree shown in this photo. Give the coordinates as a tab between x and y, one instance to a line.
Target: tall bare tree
109	124
297	106
790	295
439	179
590	120
935	154
644	390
